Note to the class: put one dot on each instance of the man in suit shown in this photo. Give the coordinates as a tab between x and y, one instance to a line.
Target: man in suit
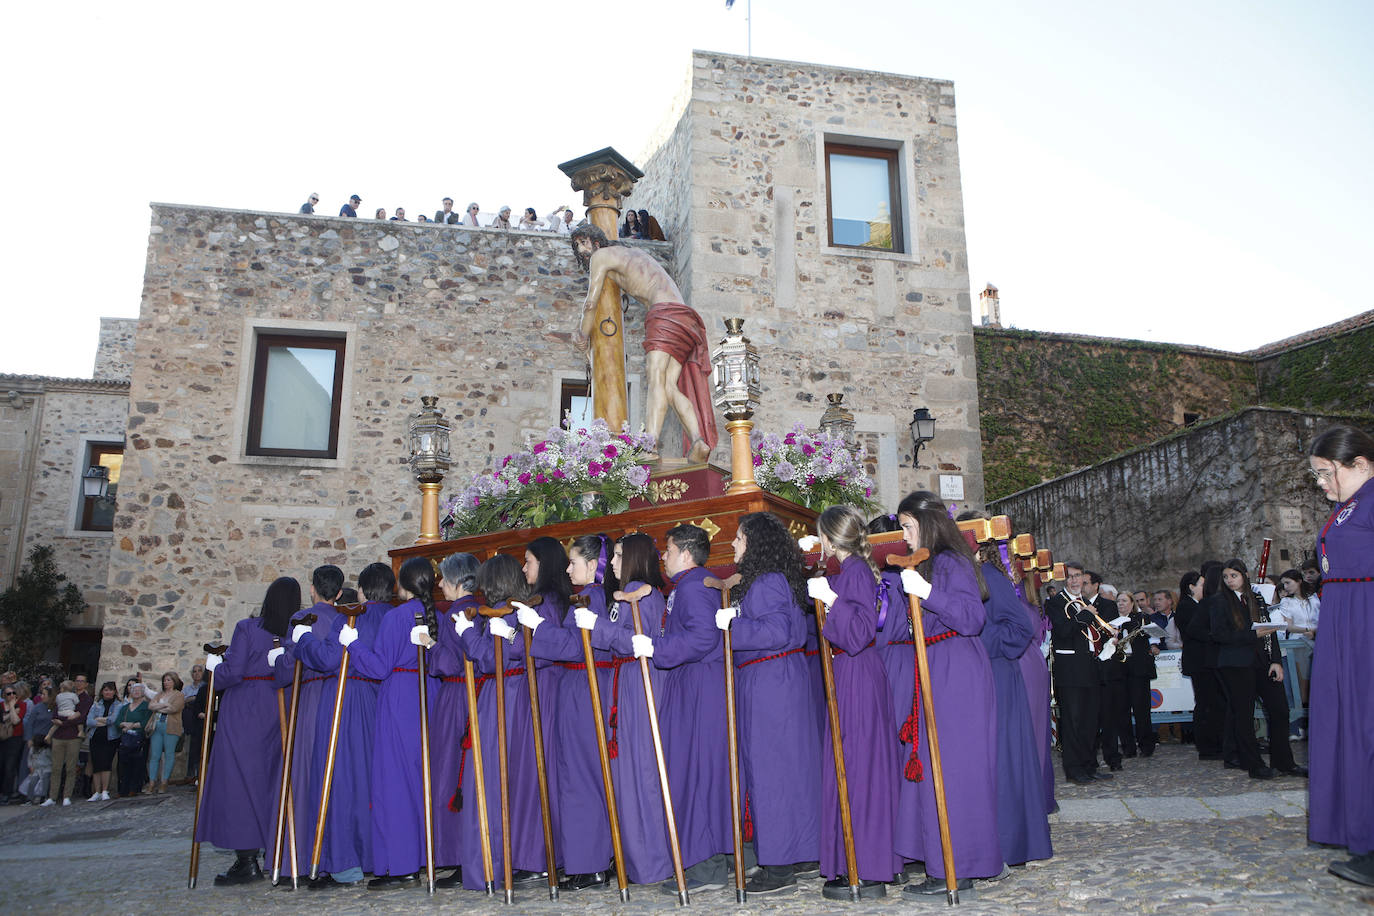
1077	679
1112	707
446	216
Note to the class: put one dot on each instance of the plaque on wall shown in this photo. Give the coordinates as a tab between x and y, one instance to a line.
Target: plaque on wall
1290	518
951	487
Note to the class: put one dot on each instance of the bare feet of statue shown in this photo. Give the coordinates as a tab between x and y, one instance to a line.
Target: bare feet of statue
700	451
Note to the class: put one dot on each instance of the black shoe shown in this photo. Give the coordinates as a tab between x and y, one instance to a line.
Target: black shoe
1116	767
804	870
771	879
1234	765
1147	751
1101	776
244	870
453	880
1082	780
1359	869
1128	754
1209	756
838	889
1294	770
932	887
579	882
522	878
391	882
1262	773
327	882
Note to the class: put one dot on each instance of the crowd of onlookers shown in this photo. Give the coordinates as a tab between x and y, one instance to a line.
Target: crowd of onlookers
61	740
638	224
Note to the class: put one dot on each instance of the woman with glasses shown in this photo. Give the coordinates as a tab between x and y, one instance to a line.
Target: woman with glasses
470	218
1341	740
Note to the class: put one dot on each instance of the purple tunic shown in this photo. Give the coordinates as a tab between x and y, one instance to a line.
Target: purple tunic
315	683
447	728
688	651
780	744
965	713
1035	673
639	798
526	819
1021	822
348	824
584	837
239	804
1341	742
398	824
870	754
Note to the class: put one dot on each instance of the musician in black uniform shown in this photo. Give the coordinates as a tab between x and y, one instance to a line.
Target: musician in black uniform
1137	661
1077	678
1111	702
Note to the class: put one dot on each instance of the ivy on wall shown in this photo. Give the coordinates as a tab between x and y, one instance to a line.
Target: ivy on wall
1333	375
1048	404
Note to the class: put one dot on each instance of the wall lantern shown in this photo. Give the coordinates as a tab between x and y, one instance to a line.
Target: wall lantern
922	431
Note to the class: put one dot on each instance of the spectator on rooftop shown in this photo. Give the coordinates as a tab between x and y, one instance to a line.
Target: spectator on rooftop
470	218
422	218
400	216
502	220
380	214
446	216
531	221
104	739
309	206
651	228
350	209
631	228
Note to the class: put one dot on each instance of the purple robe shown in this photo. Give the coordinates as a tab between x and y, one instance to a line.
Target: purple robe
584	836
1021	821
526	819
239	802
870	754
965	713
780	743
315	683
447	729
1340	745
1035	673
398	823
689	655
348	824
639	797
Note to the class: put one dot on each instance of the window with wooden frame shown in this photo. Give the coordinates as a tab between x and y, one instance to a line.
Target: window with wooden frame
97	512
575	403
863	197
297	390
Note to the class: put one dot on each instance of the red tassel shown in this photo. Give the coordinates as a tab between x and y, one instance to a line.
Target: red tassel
455	804
747	830
914	771
613	749
908	732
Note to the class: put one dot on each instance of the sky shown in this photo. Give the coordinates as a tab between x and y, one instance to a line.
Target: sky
1179	171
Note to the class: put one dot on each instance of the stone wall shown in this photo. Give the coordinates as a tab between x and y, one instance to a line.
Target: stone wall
1214	491
114	356
481	318
739	184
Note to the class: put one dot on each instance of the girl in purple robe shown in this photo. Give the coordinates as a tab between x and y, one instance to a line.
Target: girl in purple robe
502	583
1341	742
398	823
450	743
865	708
584	838
780	746
639	798
239	802
952	591
1035	674
346	852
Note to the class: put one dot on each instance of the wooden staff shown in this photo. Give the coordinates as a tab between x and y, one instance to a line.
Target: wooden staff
285	805
208	692
503	765
427	790
837	748
354	611
612	811
478	770
673	847
732	736
545	808
937	774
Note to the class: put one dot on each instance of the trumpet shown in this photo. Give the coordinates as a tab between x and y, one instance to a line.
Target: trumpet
1101	635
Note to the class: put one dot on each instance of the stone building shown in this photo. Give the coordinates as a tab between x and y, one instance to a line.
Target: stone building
277	357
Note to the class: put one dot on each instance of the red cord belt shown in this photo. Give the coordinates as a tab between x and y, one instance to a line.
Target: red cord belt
769	658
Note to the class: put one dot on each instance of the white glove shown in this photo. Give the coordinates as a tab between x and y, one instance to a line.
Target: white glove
527	616
820	588
724	616
419	636
585	618
461	624
213	661
348	635
300	630
643	646
500	628
808	543
913	583
273	655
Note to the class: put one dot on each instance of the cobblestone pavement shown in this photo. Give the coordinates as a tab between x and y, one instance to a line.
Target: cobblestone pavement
1168	833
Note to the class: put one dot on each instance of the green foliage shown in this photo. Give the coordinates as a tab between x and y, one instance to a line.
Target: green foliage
35	611
1331	375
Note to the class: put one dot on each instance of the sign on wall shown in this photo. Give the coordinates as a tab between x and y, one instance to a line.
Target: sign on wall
952	487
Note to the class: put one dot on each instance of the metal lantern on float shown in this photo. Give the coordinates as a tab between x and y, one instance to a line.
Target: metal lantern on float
735	378
837	422
429	459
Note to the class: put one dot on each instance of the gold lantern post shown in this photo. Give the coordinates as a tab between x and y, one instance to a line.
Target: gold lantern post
738	393
837	422
429	459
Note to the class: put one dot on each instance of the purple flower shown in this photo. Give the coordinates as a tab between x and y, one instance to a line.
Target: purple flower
506	460
540	478
524	479
790	439
610	451
807	450
810	479
784	471
595	468
758	461
637	476
558	473
539	447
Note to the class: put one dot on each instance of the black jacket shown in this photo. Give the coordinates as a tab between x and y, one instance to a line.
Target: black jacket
1238	647
1081	668
1194	647
1141	662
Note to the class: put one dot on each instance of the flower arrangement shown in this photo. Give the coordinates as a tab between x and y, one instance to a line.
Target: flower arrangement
815	471
572	474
